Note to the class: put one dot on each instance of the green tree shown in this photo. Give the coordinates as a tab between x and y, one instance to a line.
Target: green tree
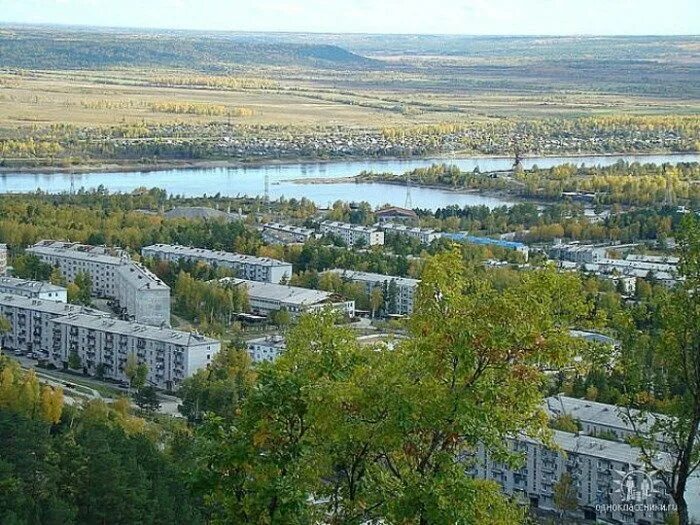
146	398
136	372
670	368
376	299
565	497
81	291
74	361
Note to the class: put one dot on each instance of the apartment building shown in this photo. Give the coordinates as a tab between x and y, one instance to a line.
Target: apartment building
278	233
266	348
30	323
103	345
265	298
425	236
135	292
245	266
399	291
578	253
33	289
3	259
353	234
608	477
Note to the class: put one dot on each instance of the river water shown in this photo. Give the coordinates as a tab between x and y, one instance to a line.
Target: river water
287	179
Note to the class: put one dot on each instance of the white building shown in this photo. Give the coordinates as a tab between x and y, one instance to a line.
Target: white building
246	266
352	234
266	348
265	298
30	323
3	259
33	289
608	477
278	233
136	292
104	344
399	291
423	235
578	253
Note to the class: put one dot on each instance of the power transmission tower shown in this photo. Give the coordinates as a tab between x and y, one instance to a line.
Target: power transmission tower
409	202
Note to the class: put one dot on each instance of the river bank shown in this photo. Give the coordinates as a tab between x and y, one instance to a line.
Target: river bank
146	167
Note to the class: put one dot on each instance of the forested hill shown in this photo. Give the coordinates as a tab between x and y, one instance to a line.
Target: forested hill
63	48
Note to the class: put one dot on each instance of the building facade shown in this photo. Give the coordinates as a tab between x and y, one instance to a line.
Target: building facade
353	234
423	235
3	259
278	233
245	266
33	289
134	291
103	345
30	323
266	348
403	289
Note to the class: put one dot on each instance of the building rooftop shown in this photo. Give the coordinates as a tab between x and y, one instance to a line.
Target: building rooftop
589	411
25	284
212	255
349	226
464	237
281	292
80	251
45	305
375	277
404	228
288	228
141	278
396	211
117	326
201	212
274	341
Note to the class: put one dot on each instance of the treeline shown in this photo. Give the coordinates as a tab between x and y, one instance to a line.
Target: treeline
85	465
200	108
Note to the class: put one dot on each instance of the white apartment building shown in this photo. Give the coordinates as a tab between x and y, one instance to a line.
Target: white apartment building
137	294
352	234
578	253
601	471
30	323
3	259
33	289
265	298
278	233
266	348
104	344
246	266
423	235
400	291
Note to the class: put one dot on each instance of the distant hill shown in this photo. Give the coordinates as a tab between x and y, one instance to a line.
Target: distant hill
78	48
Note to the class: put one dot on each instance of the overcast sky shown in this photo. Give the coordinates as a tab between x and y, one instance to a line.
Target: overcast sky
521	17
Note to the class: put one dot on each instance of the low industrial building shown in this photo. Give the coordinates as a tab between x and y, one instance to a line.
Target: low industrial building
425	236
278	233
104	344
248	267
353	234
134	291
404	288
266	348
464	237
33	289
265	298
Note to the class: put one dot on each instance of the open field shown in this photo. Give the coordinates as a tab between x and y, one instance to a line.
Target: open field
83	96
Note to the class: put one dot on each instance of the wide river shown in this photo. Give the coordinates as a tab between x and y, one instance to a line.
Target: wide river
287	179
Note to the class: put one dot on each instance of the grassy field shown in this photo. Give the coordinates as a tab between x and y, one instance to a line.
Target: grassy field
259	88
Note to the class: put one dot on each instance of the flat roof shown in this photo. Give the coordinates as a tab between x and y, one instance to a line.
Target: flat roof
26	284
374	277
44	305
78	251
349	226
464	237
141	278
212	255
117	326
288	228
280	292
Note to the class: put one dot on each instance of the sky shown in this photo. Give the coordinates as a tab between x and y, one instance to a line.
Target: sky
468	17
